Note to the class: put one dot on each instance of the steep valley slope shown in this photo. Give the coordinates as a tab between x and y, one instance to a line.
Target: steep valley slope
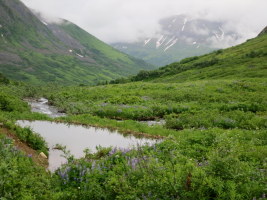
37	52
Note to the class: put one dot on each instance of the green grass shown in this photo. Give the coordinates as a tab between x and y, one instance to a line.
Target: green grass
198	104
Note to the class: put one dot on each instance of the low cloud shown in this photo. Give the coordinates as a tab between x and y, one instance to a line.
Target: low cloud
129	20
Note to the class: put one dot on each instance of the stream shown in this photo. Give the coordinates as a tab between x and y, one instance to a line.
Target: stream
76	138
41	106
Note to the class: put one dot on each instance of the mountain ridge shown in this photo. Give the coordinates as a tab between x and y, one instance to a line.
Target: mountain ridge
35	51
246	60
180	36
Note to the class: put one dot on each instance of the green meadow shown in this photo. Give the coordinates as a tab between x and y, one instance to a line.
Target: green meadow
214	136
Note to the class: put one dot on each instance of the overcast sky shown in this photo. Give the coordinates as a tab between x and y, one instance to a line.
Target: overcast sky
128	20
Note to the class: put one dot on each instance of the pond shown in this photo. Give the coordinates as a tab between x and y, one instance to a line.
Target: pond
76	138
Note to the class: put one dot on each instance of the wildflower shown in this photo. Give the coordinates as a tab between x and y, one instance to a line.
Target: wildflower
119	110
113	151
124	150
133	162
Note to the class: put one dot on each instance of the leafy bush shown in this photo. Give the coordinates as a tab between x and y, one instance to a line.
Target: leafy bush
246	107
187	60
226	120
3	79
20	177
10	103
166	171
253	54
125	100
206	63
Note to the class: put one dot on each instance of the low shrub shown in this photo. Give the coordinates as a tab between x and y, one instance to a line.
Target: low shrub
20	177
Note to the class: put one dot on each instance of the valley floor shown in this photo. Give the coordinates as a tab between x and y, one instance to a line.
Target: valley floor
215	133
214	147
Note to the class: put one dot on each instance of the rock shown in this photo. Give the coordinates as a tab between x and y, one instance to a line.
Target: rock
43	155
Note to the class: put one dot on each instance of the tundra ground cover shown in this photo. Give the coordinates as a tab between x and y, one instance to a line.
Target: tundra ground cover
215	133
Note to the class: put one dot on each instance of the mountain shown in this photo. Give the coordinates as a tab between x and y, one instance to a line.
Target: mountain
247	60
36	51
180	36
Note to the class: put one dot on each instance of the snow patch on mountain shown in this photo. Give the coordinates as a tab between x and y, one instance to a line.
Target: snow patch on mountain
174	20
170	40
44	23
185	21
173	43
79	55
160	41
147	41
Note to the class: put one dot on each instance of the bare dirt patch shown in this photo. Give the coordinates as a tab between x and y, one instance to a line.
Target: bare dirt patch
38	159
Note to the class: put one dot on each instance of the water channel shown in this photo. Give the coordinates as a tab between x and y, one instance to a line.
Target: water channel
41	106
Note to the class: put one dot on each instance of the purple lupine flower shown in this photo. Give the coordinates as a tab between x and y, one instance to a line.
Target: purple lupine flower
93	165
144	197
124	150
133	162
104	104
82	172
62	174
113	151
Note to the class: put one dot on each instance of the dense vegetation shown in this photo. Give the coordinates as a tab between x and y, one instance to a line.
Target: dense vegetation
215	133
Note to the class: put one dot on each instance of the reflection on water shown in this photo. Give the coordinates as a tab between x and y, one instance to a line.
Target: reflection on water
41	106
77	138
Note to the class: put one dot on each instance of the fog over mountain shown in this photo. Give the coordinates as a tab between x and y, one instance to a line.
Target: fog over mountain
130	20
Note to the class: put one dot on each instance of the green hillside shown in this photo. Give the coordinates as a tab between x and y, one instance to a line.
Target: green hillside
32	51
247	60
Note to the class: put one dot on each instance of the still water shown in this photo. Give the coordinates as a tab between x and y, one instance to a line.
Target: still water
76	138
